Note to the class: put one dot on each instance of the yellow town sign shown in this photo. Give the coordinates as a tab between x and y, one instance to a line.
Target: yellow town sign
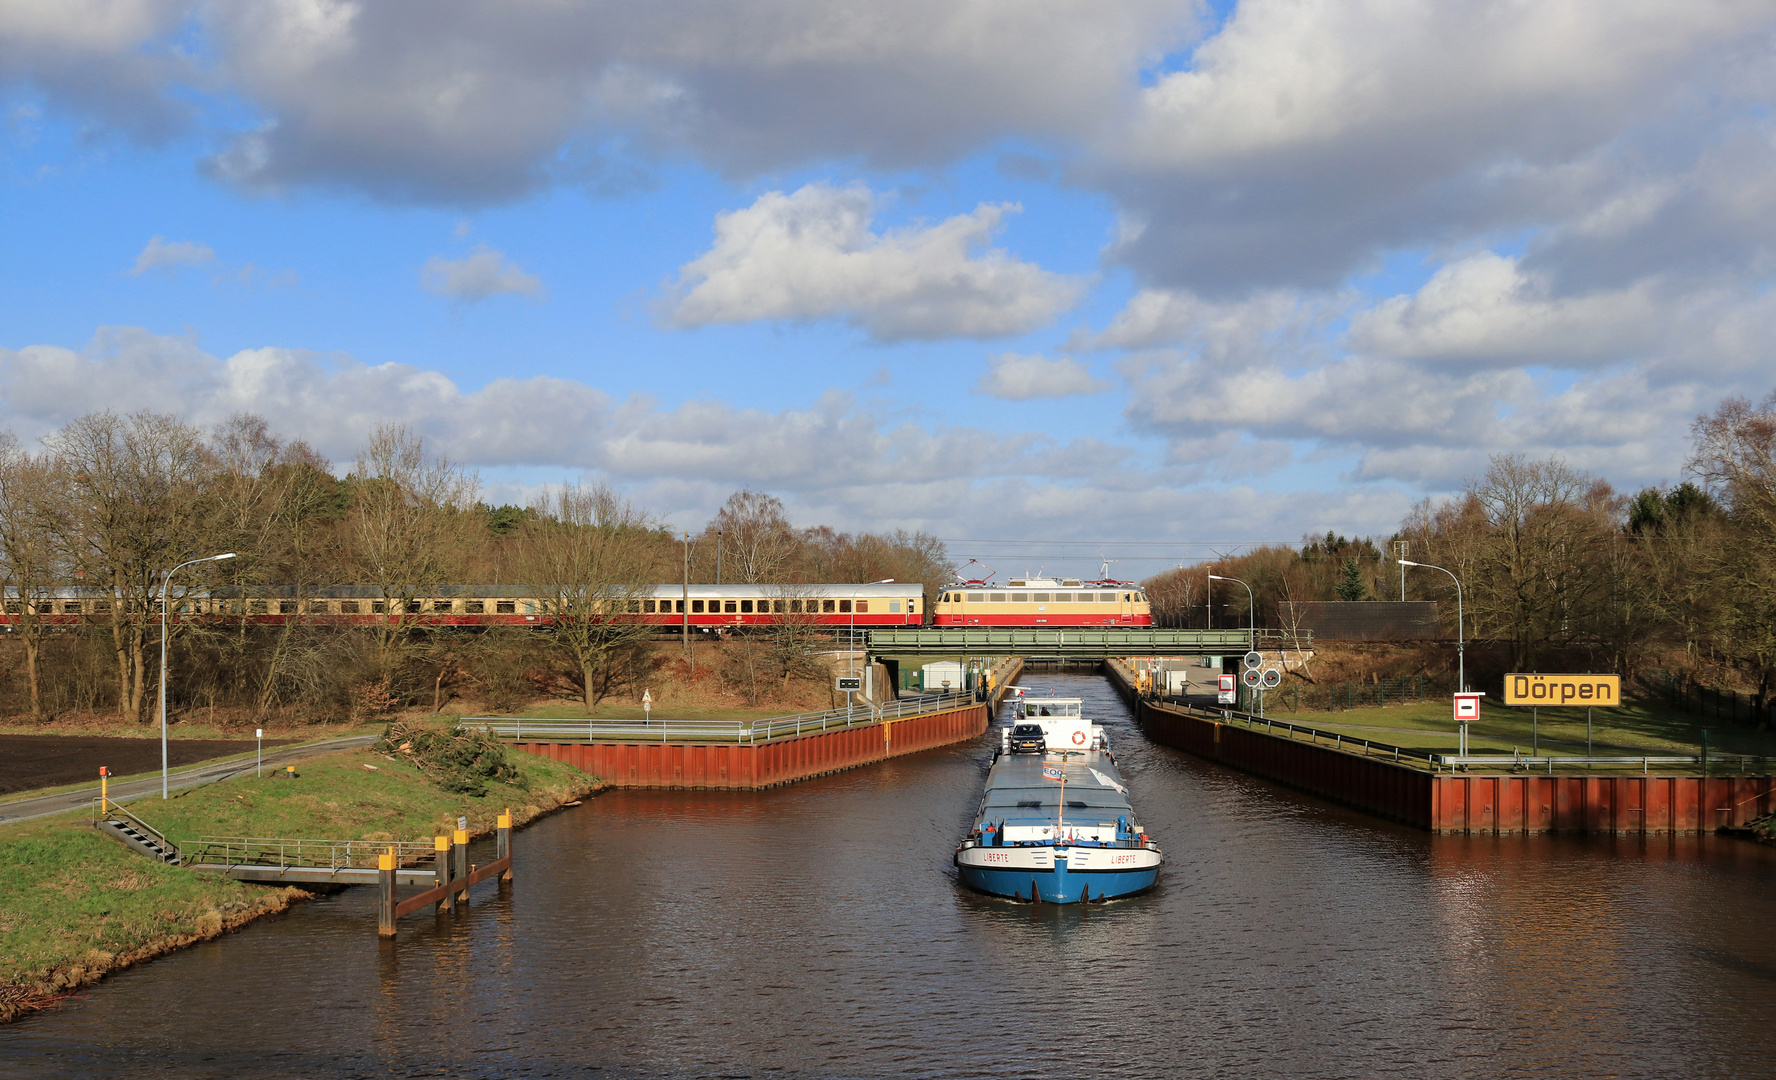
1602	690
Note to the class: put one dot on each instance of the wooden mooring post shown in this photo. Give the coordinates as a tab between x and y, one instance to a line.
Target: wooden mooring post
451	870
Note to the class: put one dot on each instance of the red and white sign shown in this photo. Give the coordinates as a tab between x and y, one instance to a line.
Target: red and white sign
1467	706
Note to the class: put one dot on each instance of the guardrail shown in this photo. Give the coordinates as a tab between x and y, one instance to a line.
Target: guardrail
283	852
744	732
1338	740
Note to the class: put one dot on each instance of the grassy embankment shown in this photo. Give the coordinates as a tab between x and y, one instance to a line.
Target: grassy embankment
76	905
1639	726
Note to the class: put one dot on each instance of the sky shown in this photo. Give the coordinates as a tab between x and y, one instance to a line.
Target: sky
1160	279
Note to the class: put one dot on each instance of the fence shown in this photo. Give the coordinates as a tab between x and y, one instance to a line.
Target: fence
1351	695
1708	701
288	852
743	732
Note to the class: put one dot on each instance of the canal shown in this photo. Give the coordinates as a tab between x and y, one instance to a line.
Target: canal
816	930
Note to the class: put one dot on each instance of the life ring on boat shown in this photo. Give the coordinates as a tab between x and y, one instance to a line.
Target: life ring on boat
1079	738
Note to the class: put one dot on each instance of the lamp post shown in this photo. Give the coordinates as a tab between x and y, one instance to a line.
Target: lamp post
165	585
852	644
1251	610
1461	670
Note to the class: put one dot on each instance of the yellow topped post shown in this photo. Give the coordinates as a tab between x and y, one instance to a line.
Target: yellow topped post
441	867
385	909
104	791
503	840
461	873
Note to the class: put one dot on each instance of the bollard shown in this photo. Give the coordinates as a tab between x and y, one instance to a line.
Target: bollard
442	861
385	873
461	872
104	791
504	834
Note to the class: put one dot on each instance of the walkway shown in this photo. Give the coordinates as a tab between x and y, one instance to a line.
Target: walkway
44	805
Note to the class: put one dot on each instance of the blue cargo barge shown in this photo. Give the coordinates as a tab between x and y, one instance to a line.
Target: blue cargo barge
1054	824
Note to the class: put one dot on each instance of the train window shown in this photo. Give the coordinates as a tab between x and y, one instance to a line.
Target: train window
1140	596
844	607
912	607
795	607
826	606
998	597
348	607
286	607
680	605
634	607
1040	598
1084	598
444	605
379	607
14	607
530	607
975	598
894	607
256	607
1106	598
101	607
777	607
1020	597
728	607
746	607
72	607
696	607
1063	597
474	607
862	606
505	607
647	607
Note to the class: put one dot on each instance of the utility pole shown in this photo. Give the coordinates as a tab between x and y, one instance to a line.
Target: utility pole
1400	557
684	604
718	556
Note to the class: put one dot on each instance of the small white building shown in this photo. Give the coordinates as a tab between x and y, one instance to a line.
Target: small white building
933	676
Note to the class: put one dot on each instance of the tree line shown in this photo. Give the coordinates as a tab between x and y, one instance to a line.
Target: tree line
1556	563
109	503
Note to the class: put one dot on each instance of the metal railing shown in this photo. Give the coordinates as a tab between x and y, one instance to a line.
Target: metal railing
1337	740
761	730
114	810
284	852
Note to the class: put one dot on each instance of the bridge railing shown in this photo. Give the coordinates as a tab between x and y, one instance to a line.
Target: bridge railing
745	732
1091	640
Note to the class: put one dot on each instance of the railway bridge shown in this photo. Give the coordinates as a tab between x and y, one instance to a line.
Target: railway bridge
1059	643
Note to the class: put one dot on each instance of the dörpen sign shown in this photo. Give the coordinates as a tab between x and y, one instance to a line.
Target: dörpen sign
1599	690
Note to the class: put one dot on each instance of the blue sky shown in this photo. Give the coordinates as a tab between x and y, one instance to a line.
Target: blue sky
1185	275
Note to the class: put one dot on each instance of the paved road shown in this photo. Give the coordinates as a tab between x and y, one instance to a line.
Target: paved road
44	805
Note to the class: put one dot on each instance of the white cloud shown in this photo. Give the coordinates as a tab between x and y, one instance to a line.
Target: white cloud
169	254
833	462
1011	377
812	254
478	276
1486	309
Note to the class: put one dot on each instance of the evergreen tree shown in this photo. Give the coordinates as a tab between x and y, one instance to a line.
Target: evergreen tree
1350	586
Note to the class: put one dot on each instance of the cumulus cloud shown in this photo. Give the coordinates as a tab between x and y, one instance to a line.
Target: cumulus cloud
161	253
812	254
833	462
1307	135
478	276
1011	377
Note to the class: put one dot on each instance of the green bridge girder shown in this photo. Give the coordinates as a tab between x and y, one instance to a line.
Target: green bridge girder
1082	642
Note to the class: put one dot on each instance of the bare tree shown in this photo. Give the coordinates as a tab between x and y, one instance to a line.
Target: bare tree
136	504
28	564
407	522
1735	457
590	556
757	540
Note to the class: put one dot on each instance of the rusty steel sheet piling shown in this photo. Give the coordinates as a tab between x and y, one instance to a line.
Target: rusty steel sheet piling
749	766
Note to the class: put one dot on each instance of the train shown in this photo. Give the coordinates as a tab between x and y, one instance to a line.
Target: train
1034	602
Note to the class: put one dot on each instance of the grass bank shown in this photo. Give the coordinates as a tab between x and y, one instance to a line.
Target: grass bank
76	905
1638	726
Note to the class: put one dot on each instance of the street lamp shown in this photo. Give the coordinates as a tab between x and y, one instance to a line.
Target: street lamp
852	649
165	585
1251	611
1461	670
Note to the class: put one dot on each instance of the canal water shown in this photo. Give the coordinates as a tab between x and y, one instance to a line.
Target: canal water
817	931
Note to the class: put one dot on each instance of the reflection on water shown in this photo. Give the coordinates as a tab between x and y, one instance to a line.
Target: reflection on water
817	930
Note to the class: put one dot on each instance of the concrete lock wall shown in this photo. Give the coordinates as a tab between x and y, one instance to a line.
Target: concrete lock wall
1450	802
748	767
